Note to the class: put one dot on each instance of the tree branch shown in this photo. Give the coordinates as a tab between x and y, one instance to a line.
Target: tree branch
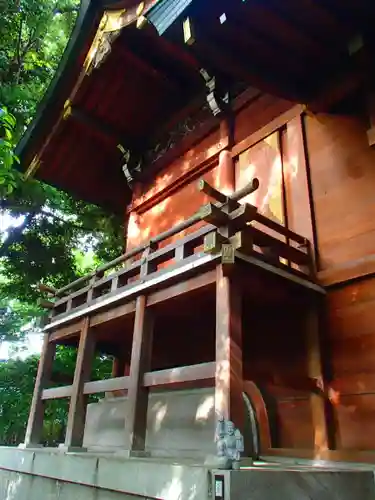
18	51
65	10
15	234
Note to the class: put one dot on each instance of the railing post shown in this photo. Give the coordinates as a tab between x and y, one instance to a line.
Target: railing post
34	428
78	401
229	375
136	418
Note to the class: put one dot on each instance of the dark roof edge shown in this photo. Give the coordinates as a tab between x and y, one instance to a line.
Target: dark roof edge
58	91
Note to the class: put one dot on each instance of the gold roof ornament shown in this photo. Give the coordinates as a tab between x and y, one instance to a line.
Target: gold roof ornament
33	167
109	28
67	109
140	9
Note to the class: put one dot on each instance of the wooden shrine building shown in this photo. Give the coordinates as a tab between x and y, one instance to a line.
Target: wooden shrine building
235	138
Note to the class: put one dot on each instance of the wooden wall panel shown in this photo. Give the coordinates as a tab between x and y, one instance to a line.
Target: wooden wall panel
296	182
258	114
275	359
171	211
181	167
343	182
352	337
161	214
343	185
356	422
295	426
263	161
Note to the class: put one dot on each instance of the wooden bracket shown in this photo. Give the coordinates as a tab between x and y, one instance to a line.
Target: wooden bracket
212	214
228	257
47	289
213	242
242	216
243	242
47	304
210	191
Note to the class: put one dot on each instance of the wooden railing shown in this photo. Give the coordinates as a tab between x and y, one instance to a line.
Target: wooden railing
162	378
230	227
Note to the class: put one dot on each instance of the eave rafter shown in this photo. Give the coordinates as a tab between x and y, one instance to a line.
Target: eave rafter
93	123
109	28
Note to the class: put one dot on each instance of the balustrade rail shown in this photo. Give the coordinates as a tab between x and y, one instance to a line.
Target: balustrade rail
230	226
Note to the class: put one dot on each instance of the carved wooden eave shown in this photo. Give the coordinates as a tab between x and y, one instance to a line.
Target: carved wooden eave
178	43
110	26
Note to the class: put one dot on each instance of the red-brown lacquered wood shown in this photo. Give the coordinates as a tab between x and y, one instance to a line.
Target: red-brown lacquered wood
228	376
78	400
35	423
135	424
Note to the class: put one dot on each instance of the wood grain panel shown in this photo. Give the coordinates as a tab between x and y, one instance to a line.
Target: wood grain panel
295	427
258	114
343	179
355	418
275	350
351	337
296	181
173	210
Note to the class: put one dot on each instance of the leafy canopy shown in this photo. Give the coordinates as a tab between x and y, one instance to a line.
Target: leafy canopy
44	233
17	379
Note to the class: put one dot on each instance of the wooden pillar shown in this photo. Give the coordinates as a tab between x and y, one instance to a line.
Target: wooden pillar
229	375
135	424
35	423
78	401
120	368
315	371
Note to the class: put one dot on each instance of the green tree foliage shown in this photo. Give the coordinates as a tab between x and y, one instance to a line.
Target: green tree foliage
43	232
17	379
45	235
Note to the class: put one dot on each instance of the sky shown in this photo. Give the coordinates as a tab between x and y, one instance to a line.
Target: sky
32	345
33	342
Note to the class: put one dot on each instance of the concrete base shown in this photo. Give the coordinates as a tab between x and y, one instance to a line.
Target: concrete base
284	484
29	446
35	475
71	449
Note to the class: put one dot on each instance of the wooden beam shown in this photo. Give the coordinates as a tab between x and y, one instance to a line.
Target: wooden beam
135	424
315	372
335	91
229	373
66	332
256	73
210	191
109	385
199	282
35	423
149	68
97	126
348	271
47	289
267	130
97	319
57	392
78	401
203	371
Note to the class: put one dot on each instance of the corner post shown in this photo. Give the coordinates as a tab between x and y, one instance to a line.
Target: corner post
34	428
315	372
229	374
136	418
78	401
